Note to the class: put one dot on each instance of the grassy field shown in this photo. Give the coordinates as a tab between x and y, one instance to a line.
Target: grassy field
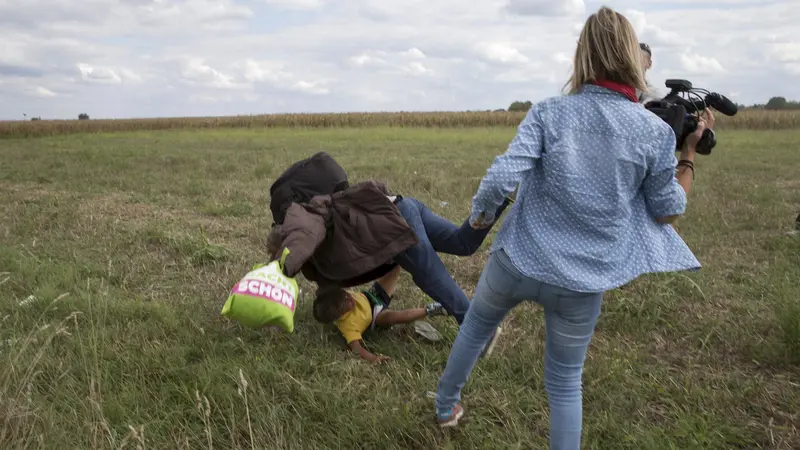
118	251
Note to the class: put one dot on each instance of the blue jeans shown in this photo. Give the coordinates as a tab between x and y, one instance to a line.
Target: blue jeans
437	234
570	318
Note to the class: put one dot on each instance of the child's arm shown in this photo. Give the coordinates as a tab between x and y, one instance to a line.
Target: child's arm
365	354
352	335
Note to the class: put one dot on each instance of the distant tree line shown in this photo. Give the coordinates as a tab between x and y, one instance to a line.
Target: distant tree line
778	103
774	103
520	106
81	116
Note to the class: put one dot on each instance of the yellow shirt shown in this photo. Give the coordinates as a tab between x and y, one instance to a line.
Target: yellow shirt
356	321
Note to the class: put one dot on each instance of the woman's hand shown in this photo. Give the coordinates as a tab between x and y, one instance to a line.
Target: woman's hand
685	173
479	223
704	120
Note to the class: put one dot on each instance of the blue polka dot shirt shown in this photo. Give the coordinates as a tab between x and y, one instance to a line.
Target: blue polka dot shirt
593	170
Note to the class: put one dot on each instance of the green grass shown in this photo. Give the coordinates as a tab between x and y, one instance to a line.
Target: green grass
117	252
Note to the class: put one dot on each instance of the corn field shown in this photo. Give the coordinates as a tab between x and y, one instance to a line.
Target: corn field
746	119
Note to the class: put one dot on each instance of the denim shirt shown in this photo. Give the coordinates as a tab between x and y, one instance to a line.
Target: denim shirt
593	170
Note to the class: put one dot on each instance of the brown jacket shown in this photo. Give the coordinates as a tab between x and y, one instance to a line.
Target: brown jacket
347	238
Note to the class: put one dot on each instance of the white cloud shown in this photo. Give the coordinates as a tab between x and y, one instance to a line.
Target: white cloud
365	59
208	12
416	68
118	58
129	76
501	53
247	76
698	64
655	34
638	20
196	72
787	52
303	5
264	71
546	8
407	61
414	53
318	87
44	92
562	58
98	74
413	13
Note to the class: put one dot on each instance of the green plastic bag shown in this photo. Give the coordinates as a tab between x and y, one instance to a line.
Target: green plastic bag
264	297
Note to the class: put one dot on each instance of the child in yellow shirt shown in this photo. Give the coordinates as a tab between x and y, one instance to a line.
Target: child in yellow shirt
355	312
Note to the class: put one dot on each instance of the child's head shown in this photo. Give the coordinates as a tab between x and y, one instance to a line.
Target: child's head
331	303
274	241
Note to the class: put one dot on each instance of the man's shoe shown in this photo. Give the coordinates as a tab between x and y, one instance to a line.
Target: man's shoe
427	331
435	309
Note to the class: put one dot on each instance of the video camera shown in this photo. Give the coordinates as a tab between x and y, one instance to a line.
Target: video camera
681	113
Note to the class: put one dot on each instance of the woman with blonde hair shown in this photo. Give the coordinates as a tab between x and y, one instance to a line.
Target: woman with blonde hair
597	191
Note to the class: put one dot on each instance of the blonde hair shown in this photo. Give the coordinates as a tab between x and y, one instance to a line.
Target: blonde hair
608	49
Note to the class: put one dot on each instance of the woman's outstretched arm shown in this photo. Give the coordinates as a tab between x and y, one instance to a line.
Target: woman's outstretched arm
506	171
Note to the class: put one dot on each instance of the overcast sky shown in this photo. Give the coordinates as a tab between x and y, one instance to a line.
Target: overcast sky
144	58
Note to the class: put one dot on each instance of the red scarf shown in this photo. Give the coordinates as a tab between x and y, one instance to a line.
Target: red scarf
624	89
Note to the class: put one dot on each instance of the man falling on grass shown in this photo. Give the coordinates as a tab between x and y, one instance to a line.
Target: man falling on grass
363	232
